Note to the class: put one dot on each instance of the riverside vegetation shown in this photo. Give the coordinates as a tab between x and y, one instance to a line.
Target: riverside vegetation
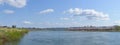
11	34
14	34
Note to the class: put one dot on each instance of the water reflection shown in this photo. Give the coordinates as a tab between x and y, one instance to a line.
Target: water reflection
70	38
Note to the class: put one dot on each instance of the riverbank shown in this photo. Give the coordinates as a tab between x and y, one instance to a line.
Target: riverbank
11	34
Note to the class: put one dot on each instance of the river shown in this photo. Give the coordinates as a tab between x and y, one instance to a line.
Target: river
69	38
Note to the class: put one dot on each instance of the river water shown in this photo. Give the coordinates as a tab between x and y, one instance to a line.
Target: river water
70	38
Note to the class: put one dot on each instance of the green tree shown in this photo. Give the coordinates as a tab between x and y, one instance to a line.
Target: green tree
13	26
117	28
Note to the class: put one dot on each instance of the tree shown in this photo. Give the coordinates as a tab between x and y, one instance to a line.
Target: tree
13	26
117	28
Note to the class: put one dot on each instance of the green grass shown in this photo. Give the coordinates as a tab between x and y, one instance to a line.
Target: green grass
11	34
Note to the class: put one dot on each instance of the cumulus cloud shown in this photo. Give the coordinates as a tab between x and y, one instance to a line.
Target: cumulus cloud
27	22
88	13
15	3
8	11
46	11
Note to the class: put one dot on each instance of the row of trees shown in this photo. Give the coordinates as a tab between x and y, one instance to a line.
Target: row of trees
117	28
13	26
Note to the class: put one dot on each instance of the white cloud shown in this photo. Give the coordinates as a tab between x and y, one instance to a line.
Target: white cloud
1	1
64	18
88	13
8	11
15	3
60	24
46	11
27	22
117	22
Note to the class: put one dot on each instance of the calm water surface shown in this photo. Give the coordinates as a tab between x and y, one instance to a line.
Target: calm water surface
70	38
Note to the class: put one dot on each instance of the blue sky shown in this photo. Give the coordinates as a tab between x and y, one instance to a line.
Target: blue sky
59	13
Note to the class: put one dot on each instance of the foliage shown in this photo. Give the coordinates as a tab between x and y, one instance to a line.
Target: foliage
117	28
13	26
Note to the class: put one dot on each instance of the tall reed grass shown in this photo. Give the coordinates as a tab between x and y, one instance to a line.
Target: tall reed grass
11	34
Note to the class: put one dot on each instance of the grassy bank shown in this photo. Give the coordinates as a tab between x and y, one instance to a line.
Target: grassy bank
11	34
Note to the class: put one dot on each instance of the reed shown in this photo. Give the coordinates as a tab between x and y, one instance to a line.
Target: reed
11	34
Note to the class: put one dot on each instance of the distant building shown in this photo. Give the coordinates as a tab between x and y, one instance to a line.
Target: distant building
92	28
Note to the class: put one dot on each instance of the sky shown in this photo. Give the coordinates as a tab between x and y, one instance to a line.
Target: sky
59	13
